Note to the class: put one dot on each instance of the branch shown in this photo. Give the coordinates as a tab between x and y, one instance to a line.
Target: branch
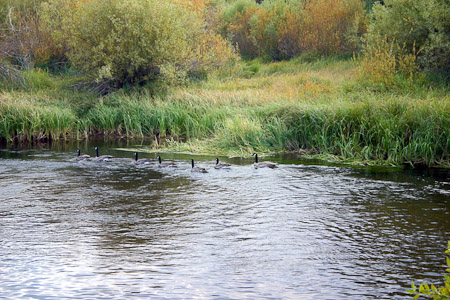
10	19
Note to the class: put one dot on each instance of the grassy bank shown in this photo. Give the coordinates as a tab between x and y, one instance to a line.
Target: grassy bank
316	108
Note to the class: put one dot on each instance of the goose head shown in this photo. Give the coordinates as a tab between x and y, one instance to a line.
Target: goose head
256	157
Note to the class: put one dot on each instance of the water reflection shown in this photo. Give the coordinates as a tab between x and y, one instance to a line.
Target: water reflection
303	231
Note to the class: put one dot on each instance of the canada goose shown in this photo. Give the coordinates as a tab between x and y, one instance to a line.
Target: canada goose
142	161
197	169
166	164
264	164
103	157
82	157
221	165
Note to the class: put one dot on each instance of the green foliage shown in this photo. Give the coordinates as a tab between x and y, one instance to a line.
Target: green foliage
139	115
293	105
420	27
431	291
130	42
436	51
370	3
38	79
401	21
280	29
237	7
268	29
26	120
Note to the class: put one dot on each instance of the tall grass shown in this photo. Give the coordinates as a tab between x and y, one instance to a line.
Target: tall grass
139	115
317	110
393	130
28	120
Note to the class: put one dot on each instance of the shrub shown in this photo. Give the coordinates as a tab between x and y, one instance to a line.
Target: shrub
131	41
212	51
282	29
290	31
24	43
436	51
385	63
237	26
17	5
332	27
421	26
275	29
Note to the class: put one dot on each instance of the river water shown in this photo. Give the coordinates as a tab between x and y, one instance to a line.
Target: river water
114	230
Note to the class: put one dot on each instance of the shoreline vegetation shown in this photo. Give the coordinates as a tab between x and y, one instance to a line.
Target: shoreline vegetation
359	81
315	108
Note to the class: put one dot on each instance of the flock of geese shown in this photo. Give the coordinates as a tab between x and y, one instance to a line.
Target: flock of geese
171	164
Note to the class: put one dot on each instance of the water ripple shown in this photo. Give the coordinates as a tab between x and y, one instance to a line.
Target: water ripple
112	230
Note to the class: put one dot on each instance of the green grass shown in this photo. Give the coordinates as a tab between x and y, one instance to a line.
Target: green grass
24	118
316	107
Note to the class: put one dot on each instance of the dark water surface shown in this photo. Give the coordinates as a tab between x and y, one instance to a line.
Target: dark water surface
90	230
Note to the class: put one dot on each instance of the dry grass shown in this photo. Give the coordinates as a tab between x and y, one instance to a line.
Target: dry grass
292	86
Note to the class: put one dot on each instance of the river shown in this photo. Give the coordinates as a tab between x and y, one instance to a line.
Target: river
305	230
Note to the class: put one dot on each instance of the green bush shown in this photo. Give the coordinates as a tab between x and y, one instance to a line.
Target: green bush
38	79
421	26
128	42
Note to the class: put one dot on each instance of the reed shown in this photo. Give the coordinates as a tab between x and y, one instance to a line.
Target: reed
319	109
394	131
27	120
138	115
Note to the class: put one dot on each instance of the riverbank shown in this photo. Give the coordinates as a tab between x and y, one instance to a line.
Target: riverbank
315	108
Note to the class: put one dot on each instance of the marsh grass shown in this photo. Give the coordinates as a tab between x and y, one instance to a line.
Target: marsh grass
317	108
26	119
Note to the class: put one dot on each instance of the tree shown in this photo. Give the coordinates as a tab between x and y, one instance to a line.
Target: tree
128	41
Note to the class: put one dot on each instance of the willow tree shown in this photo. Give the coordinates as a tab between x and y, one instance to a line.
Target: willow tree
128	41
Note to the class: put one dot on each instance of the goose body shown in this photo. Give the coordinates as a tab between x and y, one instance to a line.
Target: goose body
221	165
166	164
197	169
141	161
102	157
82	157
264	164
